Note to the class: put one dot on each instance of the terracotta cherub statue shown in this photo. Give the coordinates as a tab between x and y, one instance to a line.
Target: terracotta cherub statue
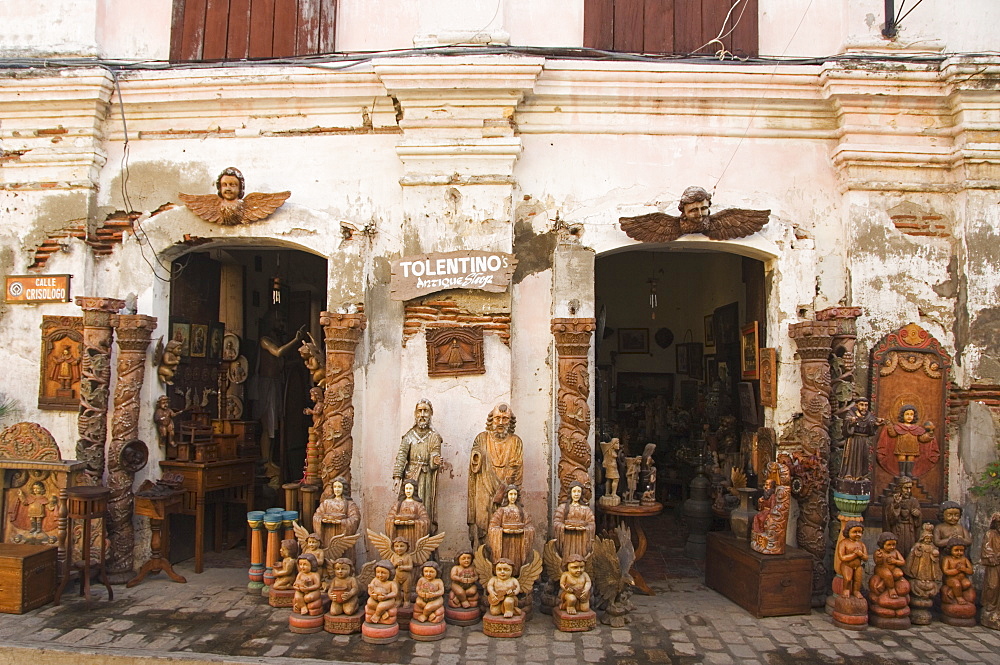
852	553
574	586
229	207
695	217
429	606
286	569
950	527
889	564
344	590
956	567
383	595
397	551
308	587
464	582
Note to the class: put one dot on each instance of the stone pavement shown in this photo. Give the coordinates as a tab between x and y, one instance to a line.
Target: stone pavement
213	619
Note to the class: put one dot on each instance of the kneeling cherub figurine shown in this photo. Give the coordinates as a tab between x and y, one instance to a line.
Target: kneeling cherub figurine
502	590
429	607
308	588
286	570
574	586
957	569
464	582
343	589
383	595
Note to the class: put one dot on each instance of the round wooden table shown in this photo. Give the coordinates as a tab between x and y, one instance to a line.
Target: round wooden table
632	514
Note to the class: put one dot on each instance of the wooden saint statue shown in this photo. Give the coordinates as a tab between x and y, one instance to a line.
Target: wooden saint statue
496	461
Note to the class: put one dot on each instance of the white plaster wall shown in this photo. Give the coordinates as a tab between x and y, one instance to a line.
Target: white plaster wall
50	28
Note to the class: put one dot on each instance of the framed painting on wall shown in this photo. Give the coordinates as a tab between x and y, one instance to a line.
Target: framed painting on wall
682	358
633	340
199	340
709	332
181	330
749	352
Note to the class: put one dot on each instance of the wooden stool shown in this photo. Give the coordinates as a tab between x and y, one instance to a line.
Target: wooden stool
85	503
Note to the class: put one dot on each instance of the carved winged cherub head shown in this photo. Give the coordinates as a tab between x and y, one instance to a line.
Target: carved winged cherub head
230	184
695	203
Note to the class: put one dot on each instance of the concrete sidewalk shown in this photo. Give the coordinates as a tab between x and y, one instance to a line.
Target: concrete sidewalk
213	619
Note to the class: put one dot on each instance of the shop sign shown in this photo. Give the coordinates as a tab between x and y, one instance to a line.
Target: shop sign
415	276
37	288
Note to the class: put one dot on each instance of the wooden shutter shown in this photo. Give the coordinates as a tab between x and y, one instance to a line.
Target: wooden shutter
238	29
671	26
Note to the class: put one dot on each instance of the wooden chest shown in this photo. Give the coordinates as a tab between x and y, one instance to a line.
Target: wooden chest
766	585
27	577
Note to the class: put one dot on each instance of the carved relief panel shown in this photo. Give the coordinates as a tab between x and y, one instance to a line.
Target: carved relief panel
909	387
455	351
62	349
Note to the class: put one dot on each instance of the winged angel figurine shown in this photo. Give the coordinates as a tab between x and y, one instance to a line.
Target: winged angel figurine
695	218
310	543
503	588
398	552
229	207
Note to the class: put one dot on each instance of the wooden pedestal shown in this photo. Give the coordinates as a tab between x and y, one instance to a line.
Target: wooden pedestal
27	577
766	585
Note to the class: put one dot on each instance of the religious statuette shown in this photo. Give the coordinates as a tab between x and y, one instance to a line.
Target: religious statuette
462	608
285	571
405	561
428	623
496	461
228	206
573	614
850	609
923	570
163	417
901	513
345	614
770	524
573	525
958	598
337	517
511	534
695	217
950	527
307	603
989	559
633	465
324	553
380	626
419	459
408	518
888	590
609	450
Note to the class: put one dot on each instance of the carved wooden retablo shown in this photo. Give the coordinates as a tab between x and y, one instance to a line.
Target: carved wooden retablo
455	351
909	388
62	353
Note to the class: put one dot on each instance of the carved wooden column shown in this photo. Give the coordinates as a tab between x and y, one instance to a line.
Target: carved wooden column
126	453
95	378
573	347
343	332
842	364
812	339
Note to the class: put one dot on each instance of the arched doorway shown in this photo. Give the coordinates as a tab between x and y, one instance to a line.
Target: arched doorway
240	306
669	365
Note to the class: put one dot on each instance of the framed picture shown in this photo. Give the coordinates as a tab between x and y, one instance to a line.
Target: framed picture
711	370
682	358
709	333
749	352
726	324
216	333
633	340
230	346
748	403
199	340
182	331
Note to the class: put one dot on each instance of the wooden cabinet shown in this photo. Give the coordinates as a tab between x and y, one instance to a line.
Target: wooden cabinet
766	585
27	577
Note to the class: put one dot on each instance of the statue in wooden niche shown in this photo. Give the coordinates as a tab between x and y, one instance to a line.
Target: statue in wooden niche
770	524
419	458
958	598
923	569
889	591
496	461
228	206
906	447
989	559
695	217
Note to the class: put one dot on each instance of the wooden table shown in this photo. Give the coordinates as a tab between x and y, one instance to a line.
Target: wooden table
631	514
158	509
212	482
